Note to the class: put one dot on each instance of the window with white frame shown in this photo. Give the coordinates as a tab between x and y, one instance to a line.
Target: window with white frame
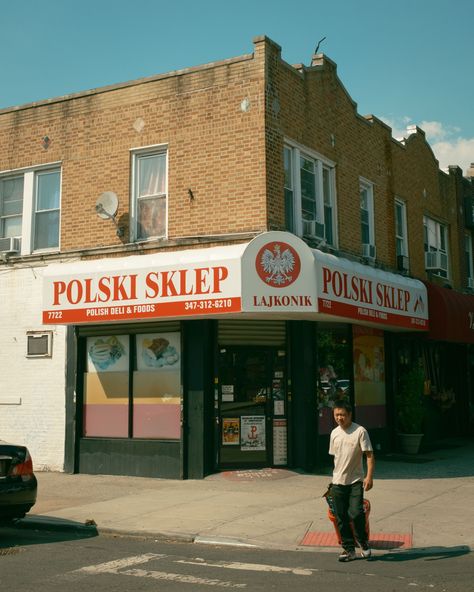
309	194
401	238
11	206
469	262
150	190
46	210
30	209
366	192
436	246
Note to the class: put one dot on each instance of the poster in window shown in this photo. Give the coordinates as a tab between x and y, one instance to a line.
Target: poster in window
230	431
108	353
280	456
278	407
227	392
252	432
159	351
369	375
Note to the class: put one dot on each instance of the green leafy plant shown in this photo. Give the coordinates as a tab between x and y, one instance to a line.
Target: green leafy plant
409	401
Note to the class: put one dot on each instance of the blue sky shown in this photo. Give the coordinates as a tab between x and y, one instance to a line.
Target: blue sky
405	61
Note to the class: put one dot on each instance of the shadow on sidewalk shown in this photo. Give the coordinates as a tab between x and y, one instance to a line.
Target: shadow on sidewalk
34	532
426	553
448	459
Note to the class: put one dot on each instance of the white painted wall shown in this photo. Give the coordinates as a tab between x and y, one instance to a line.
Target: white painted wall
32	391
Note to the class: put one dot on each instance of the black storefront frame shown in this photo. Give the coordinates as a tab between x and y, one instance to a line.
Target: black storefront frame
97	455
195	455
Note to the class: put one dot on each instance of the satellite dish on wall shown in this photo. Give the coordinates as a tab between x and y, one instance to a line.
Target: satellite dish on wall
106	207
107	204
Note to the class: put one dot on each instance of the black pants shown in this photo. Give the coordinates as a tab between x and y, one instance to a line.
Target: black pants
349	506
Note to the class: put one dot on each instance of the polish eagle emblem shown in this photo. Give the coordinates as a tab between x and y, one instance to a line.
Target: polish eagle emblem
278	265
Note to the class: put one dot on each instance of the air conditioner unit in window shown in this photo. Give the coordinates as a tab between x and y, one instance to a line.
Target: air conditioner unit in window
402	263
436	261
313	229
10	245
368	251
470	283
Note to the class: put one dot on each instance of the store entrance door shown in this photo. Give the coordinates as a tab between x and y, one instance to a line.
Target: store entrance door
252	414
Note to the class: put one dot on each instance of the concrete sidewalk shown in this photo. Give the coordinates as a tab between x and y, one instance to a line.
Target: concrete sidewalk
421	502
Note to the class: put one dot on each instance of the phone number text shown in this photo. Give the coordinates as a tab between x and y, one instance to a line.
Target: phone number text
208	304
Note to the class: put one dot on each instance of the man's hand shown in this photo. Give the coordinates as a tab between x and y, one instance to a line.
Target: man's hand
368	481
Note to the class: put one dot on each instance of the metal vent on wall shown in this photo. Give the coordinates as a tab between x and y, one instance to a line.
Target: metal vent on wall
256	332
39	345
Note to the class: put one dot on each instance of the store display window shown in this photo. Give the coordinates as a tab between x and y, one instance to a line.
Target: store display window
335	377
132	386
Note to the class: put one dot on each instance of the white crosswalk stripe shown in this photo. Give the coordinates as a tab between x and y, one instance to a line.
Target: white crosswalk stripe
127	566
299	571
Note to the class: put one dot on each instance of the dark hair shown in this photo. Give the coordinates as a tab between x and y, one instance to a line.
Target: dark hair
342	404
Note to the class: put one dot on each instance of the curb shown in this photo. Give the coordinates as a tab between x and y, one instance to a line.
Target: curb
52	524
56	524
48	523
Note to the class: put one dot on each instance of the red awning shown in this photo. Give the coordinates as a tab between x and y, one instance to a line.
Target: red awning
451	315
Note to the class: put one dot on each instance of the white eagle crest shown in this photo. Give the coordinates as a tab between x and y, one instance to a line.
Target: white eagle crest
278	265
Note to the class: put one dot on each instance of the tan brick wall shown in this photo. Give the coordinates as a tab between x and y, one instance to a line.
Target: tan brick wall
215	149
231	159
317	112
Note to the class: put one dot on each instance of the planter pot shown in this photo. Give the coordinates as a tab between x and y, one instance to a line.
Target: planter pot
410	443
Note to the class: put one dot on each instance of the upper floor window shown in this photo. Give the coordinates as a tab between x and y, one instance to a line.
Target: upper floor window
469	262
150	189
309	195
367	231
46	210
30	210
11	206
401	228
436	246
401	235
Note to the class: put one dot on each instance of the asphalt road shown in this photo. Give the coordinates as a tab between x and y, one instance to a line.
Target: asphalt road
43	561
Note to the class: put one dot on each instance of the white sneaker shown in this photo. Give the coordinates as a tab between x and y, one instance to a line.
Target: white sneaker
347	555
366	552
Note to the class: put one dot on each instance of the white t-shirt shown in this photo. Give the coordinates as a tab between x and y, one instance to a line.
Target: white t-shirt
347	447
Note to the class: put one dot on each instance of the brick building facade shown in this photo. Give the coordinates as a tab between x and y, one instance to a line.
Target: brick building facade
198	166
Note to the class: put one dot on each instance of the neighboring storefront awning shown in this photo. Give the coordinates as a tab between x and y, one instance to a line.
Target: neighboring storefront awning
275	275
368	295
451	315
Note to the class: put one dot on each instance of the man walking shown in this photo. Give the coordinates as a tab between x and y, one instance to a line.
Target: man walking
348	444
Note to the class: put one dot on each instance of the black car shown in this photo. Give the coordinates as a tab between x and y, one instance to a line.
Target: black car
18	485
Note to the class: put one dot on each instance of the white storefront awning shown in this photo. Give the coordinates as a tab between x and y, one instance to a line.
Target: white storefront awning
275	274
350	290
161	285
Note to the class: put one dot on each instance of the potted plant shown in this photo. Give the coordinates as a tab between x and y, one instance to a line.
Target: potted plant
409	408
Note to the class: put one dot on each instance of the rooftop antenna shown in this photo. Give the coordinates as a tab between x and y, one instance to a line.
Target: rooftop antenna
319	43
